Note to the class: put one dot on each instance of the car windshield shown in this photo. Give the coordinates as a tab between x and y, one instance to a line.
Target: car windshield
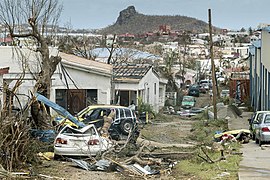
190	99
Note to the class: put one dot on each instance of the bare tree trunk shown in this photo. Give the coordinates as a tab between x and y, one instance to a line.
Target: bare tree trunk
38	15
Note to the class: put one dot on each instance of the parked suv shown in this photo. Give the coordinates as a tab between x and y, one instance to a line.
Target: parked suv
194	90
123	122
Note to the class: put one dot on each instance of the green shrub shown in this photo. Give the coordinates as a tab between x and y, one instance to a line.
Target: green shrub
145	107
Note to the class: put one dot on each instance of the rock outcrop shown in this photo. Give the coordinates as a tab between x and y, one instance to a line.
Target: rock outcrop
125	15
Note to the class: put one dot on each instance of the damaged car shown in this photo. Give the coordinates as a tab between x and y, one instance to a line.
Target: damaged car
80	142
124	120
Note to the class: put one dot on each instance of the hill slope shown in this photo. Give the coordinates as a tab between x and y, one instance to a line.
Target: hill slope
130	21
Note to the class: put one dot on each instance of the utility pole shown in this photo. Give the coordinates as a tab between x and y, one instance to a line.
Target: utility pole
214	87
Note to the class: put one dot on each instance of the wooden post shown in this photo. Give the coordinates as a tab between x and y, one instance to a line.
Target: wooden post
214	87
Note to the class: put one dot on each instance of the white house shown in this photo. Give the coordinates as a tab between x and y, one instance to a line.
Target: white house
82	82
77	82
139	81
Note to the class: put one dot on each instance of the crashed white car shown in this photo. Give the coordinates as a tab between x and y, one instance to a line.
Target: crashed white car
80	142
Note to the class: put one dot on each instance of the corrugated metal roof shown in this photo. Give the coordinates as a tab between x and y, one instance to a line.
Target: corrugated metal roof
131	71
131	53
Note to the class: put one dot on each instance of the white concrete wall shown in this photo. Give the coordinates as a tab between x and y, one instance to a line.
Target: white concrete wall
14	57
147	83
127	86
84	80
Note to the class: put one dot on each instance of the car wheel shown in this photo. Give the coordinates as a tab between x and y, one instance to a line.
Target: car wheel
256	140
57	157
126	126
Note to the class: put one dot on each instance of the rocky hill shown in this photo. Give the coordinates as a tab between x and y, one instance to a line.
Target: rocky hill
130	21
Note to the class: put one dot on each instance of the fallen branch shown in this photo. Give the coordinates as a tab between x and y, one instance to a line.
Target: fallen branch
136	157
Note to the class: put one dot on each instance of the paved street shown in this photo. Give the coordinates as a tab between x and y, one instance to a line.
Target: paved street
255	163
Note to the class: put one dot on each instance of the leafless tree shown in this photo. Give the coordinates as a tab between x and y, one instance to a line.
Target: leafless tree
79	44
34	20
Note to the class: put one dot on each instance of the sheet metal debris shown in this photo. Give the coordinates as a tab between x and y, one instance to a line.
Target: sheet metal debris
60	110
101	165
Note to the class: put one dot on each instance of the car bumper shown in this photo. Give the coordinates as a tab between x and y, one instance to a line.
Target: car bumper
71	151
265	136
186	107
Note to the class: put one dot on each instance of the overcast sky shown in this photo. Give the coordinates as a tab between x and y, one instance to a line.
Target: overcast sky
230	14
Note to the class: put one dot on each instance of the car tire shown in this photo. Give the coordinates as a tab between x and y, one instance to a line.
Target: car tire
256	140
253	136
57	157
126	126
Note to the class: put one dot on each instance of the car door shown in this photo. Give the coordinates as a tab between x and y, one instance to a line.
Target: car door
257	125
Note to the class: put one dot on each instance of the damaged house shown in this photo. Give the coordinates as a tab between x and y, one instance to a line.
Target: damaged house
76	83
132	82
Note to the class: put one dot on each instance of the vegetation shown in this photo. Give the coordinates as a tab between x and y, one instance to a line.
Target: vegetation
207	162
145	107
29	20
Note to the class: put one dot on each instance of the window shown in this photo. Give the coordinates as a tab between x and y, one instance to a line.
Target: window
267	119
155	88
61	97
91	97
128	113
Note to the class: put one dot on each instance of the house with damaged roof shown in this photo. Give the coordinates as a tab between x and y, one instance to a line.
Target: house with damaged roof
132	82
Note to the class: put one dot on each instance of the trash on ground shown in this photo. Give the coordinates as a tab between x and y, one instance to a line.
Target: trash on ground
239	134
46	155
